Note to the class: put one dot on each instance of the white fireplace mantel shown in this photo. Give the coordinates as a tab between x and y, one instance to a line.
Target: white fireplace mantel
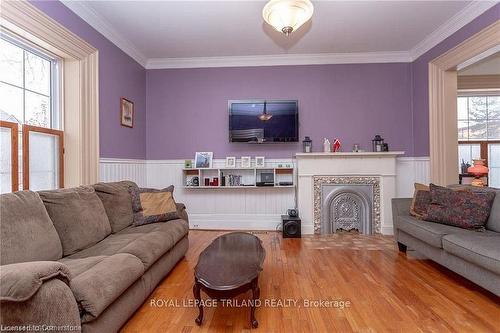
351	154
348	164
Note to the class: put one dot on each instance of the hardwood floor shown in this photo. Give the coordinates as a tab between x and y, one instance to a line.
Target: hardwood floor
387	291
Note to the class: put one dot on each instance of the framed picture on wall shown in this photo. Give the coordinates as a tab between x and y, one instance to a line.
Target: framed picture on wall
260	161
245	161
231	162
203	160
126	112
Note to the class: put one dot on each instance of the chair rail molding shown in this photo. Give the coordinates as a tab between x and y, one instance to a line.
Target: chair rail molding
80	103
443	136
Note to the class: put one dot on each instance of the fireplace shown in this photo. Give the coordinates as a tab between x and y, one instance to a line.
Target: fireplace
346	191
346	203
347	208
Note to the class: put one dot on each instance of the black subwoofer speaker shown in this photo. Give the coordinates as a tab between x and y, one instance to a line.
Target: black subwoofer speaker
291	226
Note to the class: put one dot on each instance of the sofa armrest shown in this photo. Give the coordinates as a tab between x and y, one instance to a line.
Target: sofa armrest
400	207
181	209
37	293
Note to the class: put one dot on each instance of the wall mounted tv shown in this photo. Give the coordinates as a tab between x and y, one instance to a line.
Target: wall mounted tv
263	121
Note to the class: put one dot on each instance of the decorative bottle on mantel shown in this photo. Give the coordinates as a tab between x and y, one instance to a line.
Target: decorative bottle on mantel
327	147
336	145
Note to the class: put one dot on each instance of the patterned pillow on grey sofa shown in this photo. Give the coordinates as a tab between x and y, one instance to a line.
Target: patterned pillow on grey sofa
468	209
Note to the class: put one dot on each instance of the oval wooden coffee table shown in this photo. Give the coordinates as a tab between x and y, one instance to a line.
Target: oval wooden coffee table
229	266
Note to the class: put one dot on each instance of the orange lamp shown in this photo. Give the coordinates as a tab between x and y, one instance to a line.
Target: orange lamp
478	170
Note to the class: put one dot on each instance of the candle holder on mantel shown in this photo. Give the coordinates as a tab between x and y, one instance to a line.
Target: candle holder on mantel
378	143
307	145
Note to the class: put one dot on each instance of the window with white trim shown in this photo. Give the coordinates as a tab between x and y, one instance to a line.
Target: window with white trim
479	131
29	97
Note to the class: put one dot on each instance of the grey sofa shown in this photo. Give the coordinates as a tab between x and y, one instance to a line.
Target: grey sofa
472	254
70	258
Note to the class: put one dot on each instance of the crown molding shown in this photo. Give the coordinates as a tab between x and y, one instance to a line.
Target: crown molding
90	16
455	23
279	60
466	15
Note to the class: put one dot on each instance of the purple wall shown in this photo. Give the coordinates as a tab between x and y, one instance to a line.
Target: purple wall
421	79
119	76
187	108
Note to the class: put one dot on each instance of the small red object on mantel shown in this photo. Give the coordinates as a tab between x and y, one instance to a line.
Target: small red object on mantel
215	182
336	145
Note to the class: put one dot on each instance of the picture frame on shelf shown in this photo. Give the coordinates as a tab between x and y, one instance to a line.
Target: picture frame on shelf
260	162
246	161
126	112
203	160
230	162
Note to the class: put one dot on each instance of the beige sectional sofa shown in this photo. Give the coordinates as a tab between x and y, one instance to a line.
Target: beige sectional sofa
71	258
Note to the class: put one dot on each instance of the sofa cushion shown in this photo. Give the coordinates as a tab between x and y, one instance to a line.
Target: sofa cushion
468	209
78	266
177	228
428	232
482	249
100	285
152	205
26	231
148	242
78	215
117	202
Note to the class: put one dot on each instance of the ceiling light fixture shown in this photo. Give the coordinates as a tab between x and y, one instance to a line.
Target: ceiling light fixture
287	16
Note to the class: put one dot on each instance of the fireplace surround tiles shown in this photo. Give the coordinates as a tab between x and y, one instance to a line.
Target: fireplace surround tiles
355	188
346	203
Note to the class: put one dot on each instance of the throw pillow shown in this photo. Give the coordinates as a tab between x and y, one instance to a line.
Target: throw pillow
421	201
467	209
152	205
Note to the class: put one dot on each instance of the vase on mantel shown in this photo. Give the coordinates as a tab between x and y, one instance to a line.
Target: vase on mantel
327	147
478	169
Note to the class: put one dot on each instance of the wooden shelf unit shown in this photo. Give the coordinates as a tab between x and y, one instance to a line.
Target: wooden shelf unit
250	177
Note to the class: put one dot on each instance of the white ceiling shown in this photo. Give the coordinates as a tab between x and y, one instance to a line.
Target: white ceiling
162	34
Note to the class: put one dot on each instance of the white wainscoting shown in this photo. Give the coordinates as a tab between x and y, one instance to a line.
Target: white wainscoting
410	170
237	209
113	169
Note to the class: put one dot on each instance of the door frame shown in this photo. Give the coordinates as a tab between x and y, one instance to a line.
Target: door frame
443	131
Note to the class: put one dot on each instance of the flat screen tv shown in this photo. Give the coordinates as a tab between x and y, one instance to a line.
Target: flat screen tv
263	121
